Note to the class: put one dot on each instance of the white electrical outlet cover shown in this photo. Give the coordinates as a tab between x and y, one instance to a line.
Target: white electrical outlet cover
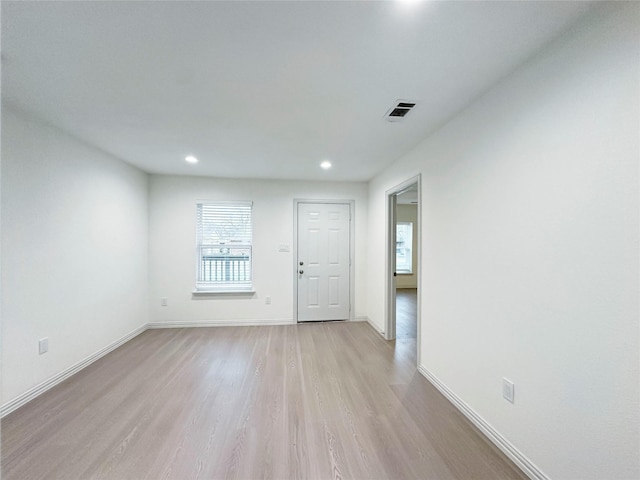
43	345
508	390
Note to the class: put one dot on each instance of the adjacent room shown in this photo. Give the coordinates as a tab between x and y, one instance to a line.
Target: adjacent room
290	239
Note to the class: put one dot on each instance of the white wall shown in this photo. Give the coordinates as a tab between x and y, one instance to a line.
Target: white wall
172	247
74	251
530	251
409	213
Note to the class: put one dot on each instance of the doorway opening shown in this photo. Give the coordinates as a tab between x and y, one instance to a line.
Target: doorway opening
403	266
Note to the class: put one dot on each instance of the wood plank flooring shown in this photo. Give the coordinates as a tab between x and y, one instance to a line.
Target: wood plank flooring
406	313
319	401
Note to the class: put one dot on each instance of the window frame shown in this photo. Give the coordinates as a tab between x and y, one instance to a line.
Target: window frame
405	271
203	286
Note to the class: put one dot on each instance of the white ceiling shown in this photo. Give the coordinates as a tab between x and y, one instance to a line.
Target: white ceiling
262	89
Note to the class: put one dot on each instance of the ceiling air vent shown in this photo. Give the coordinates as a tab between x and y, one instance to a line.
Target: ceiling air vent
399	110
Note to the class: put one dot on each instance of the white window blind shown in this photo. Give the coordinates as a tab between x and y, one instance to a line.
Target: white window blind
224	235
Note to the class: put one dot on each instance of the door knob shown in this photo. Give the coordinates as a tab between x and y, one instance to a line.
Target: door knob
301	272
301	263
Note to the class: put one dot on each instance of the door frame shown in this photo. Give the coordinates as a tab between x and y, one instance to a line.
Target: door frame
351	203
390	260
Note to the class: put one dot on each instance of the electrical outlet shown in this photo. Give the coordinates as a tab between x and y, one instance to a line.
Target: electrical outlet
508	390
267	300
164	302
43	345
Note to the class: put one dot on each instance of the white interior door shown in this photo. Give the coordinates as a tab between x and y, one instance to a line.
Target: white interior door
323	261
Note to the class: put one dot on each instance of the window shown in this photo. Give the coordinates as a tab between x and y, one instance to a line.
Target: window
404	247
224	231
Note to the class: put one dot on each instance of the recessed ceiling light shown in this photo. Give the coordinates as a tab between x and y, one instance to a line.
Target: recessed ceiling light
190	159
326	165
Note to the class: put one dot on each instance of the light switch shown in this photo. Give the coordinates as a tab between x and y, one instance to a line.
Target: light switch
43	345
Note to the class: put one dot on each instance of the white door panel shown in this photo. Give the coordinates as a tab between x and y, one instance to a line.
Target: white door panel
323	259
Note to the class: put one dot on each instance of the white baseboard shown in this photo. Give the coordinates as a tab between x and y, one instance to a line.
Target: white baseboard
491	433
39	389
360	318
373	325
220	323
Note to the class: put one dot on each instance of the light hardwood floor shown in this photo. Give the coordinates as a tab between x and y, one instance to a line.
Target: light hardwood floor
406	314
310	401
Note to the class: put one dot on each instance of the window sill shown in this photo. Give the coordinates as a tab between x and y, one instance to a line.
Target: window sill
204	293
404	273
